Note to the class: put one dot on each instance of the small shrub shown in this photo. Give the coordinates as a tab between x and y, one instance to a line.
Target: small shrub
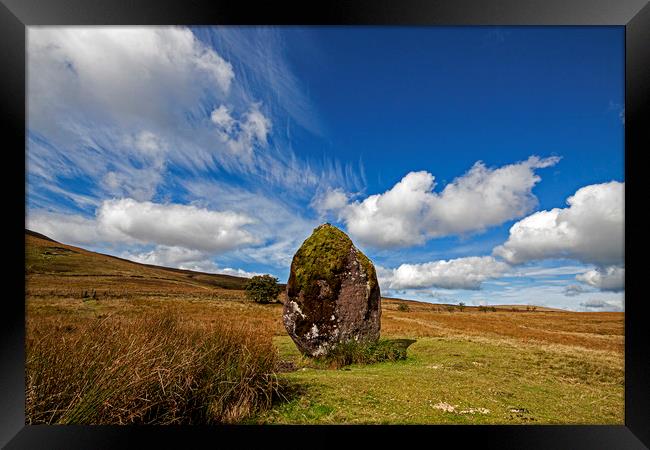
403	307
451	309
263	289
493	309
353	352
88	295
461	306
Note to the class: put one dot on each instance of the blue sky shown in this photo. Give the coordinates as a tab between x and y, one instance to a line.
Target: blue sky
474	164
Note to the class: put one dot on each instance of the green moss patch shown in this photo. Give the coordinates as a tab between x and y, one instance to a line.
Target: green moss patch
321	257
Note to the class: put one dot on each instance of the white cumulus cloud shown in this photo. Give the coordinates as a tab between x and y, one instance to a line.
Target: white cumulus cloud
176	225
332	199
170	225
410	212
68	228
590	229
119	70
606	279
108	103
460	273
278	223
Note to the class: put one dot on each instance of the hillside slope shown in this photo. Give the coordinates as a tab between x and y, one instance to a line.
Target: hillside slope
48	261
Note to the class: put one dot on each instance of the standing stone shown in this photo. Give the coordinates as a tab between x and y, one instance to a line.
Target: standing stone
333	294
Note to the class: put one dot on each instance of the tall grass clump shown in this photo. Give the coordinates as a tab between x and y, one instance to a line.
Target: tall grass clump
154	370
353	352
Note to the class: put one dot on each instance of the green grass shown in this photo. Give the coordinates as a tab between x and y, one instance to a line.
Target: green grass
477	382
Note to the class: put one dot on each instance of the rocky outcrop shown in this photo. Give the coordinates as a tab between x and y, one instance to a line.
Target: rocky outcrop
333	294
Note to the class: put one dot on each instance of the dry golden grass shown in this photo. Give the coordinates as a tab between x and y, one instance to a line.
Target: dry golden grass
153	369
112	342
594	331
62	279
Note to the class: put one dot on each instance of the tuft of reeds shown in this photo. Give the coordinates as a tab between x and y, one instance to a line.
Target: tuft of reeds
354	352
154	370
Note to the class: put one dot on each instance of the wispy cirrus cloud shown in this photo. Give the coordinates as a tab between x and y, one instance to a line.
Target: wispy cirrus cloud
259	54
131	106
601	305
130	127
574	289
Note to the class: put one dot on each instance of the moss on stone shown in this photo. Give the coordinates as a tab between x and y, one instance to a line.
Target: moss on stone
321	257
324	256
369	268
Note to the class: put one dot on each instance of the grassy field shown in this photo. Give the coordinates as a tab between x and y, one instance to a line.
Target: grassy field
509	366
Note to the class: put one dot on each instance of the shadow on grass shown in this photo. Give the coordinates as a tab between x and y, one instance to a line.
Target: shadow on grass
290	396
287	395
402	343
284	366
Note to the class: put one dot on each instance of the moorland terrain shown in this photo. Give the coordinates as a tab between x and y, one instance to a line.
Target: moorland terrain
113	341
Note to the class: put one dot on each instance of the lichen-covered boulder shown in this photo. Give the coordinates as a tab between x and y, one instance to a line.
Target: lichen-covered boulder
333	294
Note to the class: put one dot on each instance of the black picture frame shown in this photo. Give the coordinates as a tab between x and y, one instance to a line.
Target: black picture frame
15	15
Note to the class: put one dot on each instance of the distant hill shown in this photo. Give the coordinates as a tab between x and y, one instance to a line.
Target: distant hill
46	256
445	306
